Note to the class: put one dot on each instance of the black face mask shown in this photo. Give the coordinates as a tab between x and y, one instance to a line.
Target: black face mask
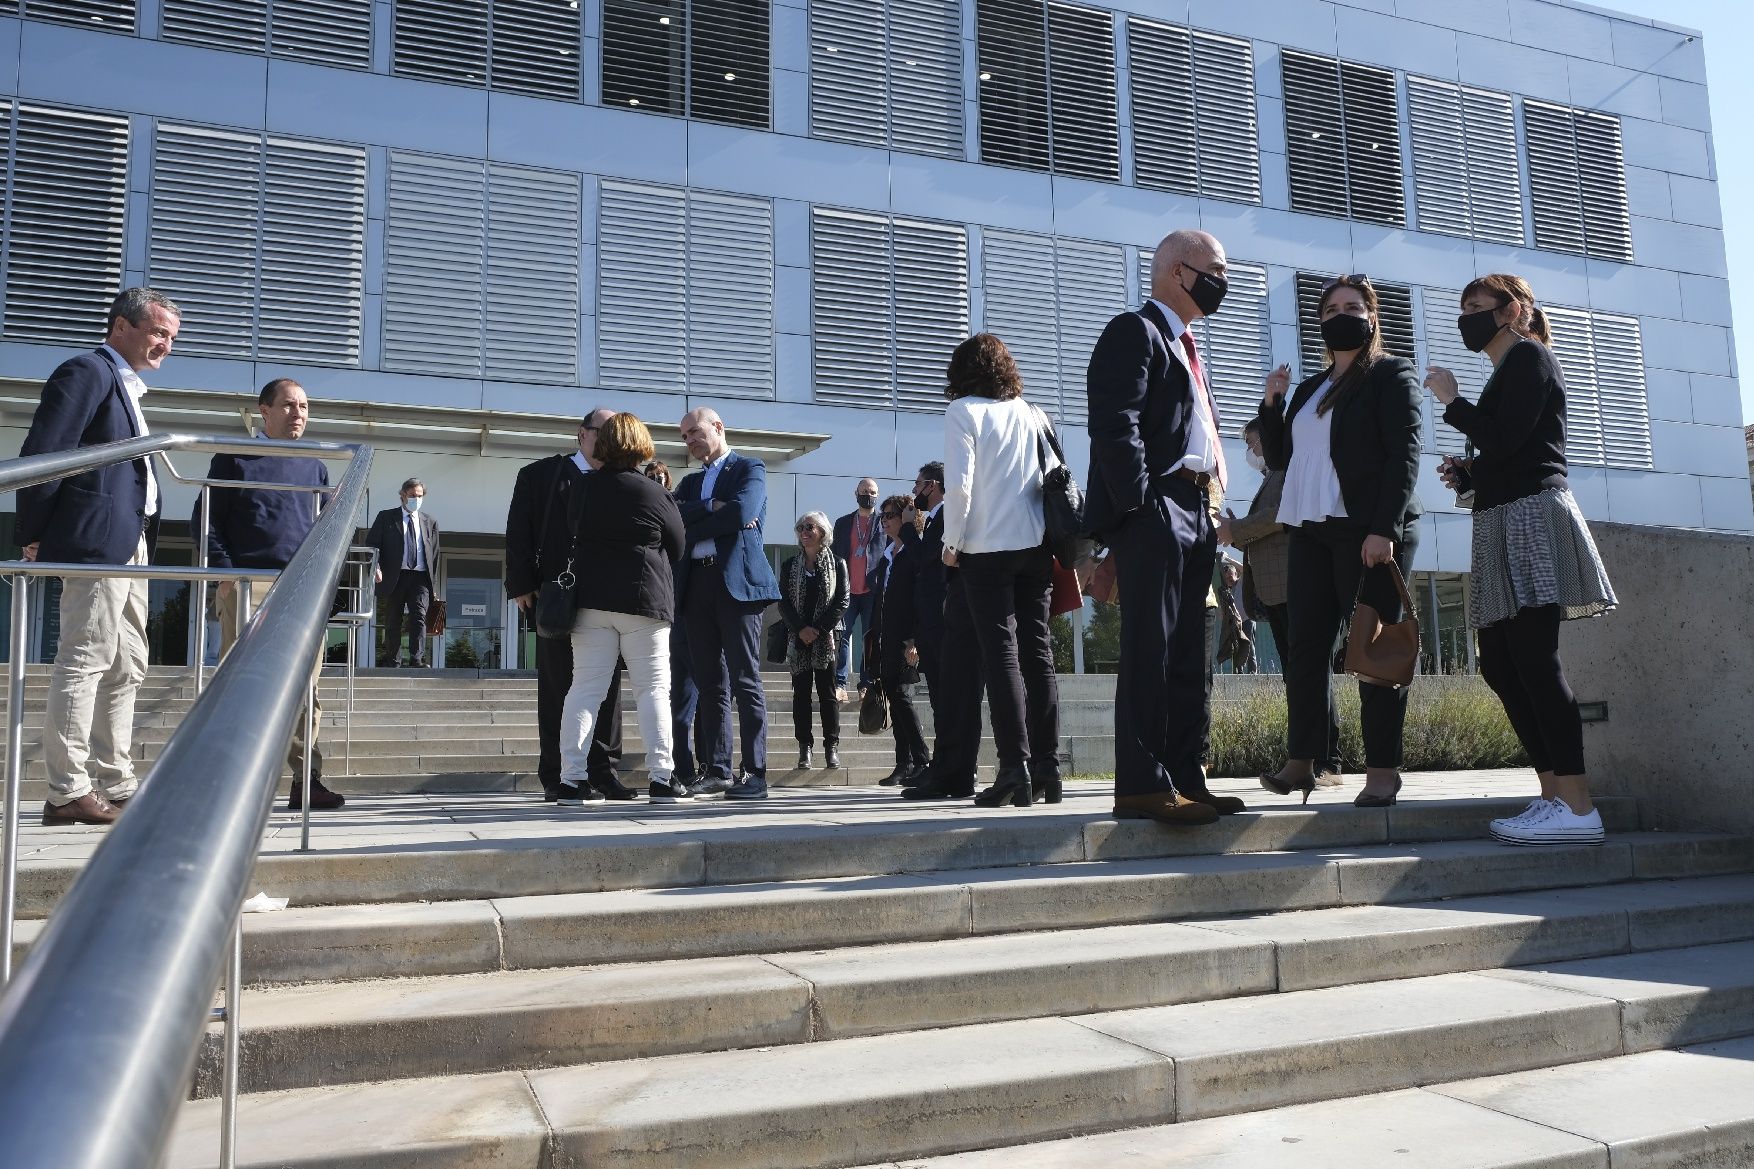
923	501
1345	333
1208	291
1478	329
866	501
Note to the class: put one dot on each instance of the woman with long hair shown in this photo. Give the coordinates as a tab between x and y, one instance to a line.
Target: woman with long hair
1534	563
1349	444
813	598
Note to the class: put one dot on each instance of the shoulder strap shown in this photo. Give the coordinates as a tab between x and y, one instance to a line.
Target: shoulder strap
548	514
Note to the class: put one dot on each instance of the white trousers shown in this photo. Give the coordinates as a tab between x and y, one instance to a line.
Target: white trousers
598	638
88	728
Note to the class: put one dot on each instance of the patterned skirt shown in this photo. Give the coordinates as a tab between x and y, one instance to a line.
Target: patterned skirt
1532	552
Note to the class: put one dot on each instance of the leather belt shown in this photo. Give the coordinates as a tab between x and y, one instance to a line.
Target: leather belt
1197	478
706	561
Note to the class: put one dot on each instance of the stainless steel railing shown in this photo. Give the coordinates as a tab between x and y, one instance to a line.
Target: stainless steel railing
158	901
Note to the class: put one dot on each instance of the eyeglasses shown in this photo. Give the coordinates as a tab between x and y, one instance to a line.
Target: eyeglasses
1351	278
592	429
889	515
802	528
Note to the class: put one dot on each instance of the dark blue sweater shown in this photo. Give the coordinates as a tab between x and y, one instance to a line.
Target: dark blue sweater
260	529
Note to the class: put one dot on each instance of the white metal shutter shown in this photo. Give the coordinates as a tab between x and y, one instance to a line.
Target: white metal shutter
1440	159
67	206
441	40
324	32
1314	133
730	295
1575	348
1555	191
532	283
1373	144
931	308
1312	353
848	102
1394	320
1160	63
1443	346
852	358
1601	168
535	47
925	76
1011	46
642	288
645	55
435	243
239	25
1236	346
203	246
5	193
728	62
109	15
1017	272
1225	131
313	253
1083	106
1620	390
1092	288
1495	183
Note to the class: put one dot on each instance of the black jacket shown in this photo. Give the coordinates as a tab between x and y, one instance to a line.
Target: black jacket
386	537
629	539
1374	441
893	614
930	582
1141	408
533	553
1518	427
824	612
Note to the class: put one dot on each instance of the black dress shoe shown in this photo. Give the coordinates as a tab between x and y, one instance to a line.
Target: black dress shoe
804	761
831	757
935	787
917	775
1223	805
611	788
1010	786
895	778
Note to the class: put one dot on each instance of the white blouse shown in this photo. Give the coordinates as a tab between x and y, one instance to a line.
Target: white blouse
992	475
1312	487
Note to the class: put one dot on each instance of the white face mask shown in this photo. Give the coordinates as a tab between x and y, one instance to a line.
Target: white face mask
1258	462
412	503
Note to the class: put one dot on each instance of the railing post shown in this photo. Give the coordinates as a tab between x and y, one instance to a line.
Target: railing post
228	1102
14	766
304	815
198	600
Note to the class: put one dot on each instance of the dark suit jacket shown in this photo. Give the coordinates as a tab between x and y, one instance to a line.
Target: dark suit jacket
893	612
930	581
629	537
1141	401
742	488
97	517
534	554
1373	441
386	537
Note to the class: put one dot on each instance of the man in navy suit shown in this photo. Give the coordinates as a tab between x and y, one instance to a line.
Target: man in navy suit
107	516
725	581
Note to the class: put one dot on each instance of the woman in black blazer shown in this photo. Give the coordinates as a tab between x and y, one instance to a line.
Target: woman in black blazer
814	592
894	614
1349	445
627	535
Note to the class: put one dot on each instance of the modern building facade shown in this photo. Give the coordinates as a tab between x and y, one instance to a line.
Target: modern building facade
462	223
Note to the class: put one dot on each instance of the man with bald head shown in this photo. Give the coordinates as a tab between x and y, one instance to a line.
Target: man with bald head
1156	476
722	585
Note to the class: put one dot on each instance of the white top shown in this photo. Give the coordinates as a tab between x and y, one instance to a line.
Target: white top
137	390
992	475
708	546
1202	452
1312	487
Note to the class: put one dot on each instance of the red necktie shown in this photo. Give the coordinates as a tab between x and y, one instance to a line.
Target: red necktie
1206	401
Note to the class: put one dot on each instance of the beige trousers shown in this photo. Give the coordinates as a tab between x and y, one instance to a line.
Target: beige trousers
228	636
88	728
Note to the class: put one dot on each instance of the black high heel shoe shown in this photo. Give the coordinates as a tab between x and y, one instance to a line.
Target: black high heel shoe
1044	784
1010	786
1284	787
1370	801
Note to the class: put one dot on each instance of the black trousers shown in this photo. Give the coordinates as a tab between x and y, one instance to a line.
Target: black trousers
684	701
1323	581
929	640
413	595
1519	659
822	682
956	691
1166	551
1279	623
904	716
724	648
1008	594
553	679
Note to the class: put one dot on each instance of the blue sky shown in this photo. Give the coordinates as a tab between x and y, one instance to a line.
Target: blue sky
1728	26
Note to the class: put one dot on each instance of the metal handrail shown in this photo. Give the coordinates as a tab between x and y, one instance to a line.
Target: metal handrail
160	897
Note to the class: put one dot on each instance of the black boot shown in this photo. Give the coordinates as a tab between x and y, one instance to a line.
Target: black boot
831	758
1010	786
1044	782
804	761
895	778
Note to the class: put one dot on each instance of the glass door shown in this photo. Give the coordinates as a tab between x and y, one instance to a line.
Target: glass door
474	592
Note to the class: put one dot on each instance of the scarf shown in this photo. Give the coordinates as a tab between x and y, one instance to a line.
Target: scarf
801	657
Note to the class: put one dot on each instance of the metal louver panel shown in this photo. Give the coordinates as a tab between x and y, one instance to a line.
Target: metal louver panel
1601	167
730	295
1017	272
1554	188
1443	346
1575	349
1495	185
532	280
1011	48
1373	144
203	248
109	15
535	47
847	64
852	359
1621	399
1237	347
435	243
1160	62
1440	161
441	40
1394	316
239	25
66	209
1092	288
642	288
323	32
1084	114
645	62
931	308
1225	132
5	196
313	253
1314	146
925	76
728	62
1312	354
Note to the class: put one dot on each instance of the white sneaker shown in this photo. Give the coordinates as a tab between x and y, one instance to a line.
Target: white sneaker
1558	824
1537	806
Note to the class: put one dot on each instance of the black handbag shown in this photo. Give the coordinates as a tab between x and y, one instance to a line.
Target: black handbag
873	710
1062	501
556	603
779	639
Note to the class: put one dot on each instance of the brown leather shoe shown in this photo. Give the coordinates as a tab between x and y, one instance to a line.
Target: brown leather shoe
90	808
1167	807
322	799
1225	805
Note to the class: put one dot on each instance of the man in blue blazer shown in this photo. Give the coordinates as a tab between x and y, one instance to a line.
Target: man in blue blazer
107	516
724	582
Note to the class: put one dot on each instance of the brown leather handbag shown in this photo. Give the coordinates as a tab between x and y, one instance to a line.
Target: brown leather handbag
1379	653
